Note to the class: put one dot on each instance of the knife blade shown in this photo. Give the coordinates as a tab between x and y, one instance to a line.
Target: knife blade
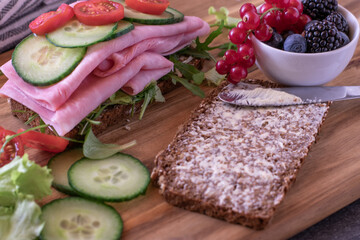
244	94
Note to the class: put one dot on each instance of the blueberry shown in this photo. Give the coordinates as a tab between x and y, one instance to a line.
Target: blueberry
276	40
345	38
286	34
295	43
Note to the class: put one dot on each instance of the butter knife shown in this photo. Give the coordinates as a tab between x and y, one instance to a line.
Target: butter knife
244	94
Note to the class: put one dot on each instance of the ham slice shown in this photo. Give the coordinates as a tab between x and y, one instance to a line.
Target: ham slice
129	62
54	96
93	91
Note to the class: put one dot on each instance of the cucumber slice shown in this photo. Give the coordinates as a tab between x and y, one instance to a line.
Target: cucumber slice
117	178
76	218
60	164
178	16
132	15
123	27
40	63
76	34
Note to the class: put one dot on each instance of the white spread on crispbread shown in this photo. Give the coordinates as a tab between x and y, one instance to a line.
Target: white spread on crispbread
237	163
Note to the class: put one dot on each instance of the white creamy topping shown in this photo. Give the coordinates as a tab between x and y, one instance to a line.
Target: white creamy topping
259	96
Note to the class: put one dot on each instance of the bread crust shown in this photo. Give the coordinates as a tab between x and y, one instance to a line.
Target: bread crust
179	193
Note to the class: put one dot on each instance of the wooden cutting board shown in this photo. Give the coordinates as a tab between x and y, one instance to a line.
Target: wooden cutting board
328	180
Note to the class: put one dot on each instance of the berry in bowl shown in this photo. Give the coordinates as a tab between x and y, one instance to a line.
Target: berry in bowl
295	43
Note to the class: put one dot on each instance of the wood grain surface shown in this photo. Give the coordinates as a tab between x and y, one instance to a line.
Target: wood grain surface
328	180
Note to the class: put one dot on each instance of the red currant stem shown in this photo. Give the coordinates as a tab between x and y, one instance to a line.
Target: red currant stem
270	10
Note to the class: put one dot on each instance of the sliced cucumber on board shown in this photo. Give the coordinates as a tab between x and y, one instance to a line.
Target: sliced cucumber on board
75	34
76	218
123	27
60	164
170	16
40	63
120	177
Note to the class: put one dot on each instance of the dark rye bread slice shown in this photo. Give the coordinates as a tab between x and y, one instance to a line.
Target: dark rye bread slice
237	163
112	115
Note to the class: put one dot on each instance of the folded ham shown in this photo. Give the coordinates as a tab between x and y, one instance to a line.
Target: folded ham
129	62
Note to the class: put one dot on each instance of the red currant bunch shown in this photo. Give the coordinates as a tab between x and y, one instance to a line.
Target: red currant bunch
281	15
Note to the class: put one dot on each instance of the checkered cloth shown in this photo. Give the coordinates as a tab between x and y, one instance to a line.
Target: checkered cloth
15	16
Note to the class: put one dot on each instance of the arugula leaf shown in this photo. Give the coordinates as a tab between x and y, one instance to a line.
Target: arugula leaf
193	88
189	71
94	149
205	45
149	95
195	53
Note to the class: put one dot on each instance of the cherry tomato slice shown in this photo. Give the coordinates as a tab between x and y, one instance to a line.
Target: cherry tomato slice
98	12
42	141
155	7
50	21
14	148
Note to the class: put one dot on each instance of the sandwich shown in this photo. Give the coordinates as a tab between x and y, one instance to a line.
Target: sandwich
77	74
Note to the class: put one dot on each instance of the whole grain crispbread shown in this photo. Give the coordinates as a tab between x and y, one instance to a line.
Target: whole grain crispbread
237	163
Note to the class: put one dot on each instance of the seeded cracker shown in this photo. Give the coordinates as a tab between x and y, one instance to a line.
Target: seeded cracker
237	163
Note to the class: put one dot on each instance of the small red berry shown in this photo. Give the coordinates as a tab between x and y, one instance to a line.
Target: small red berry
263	32
237	35
231	56
291	15
283	3
222	67
241	26
245	51
303	20
271	1
297	4
246	8
264	7
249	62
251	20
237	73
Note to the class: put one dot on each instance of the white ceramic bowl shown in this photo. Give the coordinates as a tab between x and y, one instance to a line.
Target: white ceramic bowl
306	69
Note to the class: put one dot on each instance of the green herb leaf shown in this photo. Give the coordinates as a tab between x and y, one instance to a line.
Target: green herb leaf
121	97
148	97
193	88
94	149
189	71
205	45
195	53
223	15
159	97
1	73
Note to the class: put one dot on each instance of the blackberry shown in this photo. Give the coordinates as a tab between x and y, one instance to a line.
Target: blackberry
340	22
323	36
319	9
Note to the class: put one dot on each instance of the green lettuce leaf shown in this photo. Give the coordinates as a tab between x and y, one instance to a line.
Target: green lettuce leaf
21	221
23	176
